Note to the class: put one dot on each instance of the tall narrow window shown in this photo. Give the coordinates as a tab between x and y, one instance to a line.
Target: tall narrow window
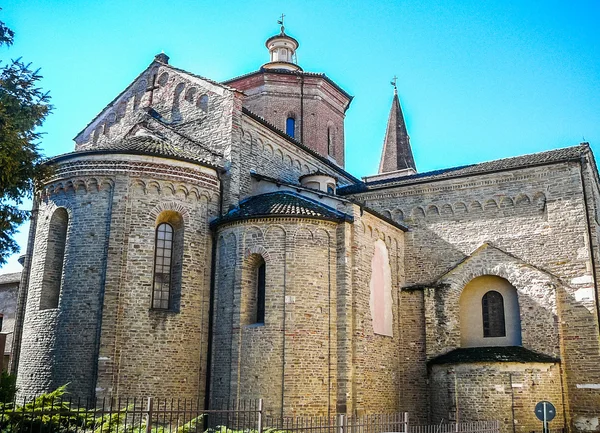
55	255
290	126
163	256
329	141
492	305
260	293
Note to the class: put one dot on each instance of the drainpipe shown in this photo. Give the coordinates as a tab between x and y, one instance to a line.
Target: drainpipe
103	287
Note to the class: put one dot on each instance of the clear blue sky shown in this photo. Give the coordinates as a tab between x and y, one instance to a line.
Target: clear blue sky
478	80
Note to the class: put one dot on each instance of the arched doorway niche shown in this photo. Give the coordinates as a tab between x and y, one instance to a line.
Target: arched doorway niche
489	313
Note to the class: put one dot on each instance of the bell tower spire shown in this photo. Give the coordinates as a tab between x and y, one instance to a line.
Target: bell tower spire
397	153
282	50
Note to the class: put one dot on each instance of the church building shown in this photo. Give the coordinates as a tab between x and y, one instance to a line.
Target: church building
204	241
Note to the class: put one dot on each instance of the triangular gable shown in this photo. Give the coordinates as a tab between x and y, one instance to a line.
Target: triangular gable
488	259
172	95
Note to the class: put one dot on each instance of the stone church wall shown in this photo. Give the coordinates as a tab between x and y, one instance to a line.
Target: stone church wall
507	392
60	348
269	154
296	344
192	106
536	214
318	335
145	351
376	358
275	97
103	338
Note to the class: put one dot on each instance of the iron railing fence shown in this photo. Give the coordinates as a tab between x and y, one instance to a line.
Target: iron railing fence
372	423
461	427
151	415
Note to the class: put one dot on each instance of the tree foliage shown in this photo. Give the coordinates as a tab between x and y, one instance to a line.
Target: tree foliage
23	108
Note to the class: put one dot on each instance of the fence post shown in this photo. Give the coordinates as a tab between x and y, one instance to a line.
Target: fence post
260	413
149	415
341	423
405	416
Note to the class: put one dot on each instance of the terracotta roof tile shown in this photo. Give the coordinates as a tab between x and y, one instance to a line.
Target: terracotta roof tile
282	203
534	159
492	354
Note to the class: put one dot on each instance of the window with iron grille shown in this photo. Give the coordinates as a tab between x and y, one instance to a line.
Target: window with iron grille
163	265
492	305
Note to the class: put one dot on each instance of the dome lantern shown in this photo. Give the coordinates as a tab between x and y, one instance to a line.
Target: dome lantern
282	50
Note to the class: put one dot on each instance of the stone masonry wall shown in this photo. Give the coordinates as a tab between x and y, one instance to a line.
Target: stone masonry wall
376	358
493	391
535	214
291	358
59	344
146	352
275	97
8	306
103	338
188	111
269	154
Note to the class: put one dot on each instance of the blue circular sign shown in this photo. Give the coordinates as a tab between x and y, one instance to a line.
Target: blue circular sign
545	410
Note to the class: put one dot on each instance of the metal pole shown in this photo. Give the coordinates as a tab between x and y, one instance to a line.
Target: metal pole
545	420
341	423
260	410
149	415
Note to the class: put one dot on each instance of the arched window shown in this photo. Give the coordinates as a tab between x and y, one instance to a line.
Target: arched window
203	103
55	255
492	307
253	291
260	293
168	261
163	265
489	313
290	126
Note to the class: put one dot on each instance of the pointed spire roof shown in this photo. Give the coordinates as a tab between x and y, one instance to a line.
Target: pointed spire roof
397	154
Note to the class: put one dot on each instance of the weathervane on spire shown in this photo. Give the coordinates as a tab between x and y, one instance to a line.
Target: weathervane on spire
280	22
393	83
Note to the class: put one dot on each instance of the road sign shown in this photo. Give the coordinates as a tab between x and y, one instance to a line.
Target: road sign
545	411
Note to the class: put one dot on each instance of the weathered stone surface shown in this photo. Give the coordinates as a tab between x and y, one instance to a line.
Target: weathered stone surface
175	145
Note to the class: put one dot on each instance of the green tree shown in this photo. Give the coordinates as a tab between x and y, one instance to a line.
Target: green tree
23	108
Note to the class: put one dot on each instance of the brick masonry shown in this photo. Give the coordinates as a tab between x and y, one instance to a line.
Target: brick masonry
174	143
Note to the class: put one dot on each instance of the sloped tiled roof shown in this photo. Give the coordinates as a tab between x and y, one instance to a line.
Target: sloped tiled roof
152	146
142	145
492	354
286	72
282	203
14	277
534	159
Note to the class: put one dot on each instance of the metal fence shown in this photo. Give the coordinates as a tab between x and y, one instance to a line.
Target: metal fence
461	427
65	415
373	423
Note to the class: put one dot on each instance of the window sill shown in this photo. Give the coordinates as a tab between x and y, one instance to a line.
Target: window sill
162	310
255	325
